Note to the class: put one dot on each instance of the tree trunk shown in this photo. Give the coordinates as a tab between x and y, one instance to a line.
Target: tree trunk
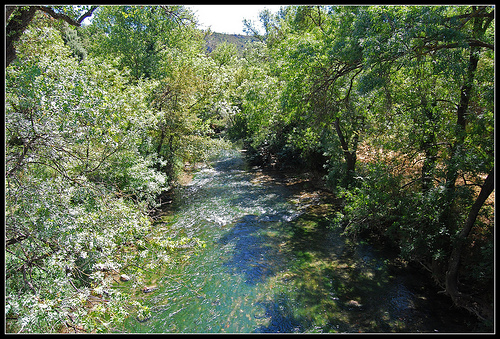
452	170
466	91
454	261
429	147
480	24
349	156
21	18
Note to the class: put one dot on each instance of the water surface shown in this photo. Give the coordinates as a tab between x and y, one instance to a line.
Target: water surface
275	261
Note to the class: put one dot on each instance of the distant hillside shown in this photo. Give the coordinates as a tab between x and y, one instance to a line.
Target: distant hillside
215	39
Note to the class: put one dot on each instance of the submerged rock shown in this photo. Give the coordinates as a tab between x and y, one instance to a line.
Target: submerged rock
149	289
124	277
354	305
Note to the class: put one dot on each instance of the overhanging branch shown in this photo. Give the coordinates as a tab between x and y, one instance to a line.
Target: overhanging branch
66	18
470	42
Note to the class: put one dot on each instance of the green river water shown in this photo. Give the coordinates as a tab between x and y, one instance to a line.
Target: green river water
275	262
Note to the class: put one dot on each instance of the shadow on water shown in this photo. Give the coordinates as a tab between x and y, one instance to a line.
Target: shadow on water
341	286
252	249
230	163
282	318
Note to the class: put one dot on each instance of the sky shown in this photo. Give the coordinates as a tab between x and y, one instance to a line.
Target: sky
229	18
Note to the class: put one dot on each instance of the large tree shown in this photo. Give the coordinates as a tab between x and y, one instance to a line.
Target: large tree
137	35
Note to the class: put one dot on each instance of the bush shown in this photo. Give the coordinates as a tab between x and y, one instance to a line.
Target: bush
373	204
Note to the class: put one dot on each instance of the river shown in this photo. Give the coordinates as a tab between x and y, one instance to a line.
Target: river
275	261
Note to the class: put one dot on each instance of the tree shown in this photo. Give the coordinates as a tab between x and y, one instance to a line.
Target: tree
19	17
322	64
432	86
160	46
74	42
137	35
481	308
481	19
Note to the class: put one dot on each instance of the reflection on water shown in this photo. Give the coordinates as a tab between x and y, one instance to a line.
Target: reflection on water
275	261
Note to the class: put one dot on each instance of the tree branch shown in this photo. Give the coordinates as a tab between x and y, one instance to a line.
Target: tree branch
66	18
15	28
475	14
87	14
470	42
174	15
8	11
15	240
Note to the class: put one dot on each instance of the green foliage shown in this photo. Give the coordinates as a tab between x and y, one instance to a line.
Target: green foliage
73	133
395	103
138	34
224	54
74	42
374	204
